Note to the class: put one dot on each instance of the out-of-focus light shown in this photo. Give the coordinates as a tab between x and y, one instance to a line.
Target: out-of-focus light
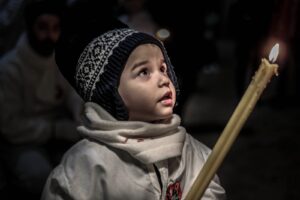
163	34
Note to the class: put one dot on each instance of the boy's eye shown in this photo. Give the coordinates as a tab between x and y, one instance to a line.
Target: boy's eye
163	68
143	72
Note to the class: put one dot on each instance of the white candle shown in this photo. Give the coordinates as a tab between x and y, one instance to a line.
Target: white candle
259	82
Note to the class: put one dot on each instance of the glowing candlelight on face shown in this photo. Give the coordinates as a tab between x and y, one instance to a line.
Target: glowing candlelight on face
235	123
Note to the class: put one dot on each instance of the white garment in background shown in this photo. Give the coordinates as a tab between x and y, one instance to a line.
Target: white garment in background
34	98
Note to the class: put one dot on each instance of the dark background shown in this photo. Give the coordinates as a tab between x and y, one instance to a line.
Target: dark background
215	46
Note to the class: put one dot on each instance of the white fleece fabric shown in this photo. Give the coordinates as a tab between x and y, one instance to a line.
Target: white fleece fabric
144	141
129	160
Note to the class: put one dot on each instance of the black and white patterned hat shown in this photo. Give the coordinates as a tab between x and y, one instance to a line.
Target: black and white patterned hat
93	60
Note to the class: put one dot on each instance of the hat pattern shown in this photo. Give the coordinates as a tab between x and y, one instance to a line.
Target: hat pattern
101	63
94	58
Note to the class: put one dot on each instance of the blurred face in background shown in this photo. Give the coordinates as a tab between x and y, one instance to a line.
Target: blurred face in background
132	6
44	33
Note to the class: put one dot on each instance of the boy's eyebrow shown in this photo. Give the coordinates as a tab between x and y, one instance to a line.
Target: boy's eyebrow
139	64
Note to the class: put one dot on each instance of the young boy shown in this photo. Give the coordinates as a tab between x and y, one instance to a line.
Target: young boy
134	146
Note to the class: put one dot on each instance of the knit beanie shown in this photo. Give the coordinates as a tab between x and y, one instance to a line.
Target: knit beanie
92	56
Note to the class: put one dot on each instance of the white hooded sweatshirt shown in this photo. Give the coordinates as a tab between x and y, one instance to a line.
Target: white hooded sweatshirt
129	160
36	102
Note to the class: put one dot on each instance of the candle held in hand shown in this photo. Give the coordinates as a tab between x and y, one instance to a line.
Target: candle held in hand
259	82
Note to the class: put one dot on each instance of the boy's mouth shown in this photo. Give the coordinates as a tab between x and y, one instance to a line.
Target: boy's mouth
166	99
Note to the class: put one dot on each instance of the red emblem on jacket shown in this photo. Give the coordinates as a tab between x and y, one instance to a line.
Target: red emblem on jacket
174	191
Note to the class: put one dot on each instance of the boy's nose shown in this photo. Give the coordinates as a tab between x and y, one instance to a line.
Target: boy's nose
164	80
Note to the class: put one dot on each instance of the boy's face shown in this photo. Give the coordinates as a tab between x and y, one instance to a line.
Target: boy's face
145	87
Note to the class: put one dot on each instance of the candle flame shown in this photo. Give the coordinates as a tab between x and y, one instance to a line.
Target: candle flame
274	53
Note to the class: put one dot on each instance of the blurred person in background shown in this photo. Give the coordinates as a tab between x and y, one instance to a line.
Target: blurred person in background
39	110
135	14
11	23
